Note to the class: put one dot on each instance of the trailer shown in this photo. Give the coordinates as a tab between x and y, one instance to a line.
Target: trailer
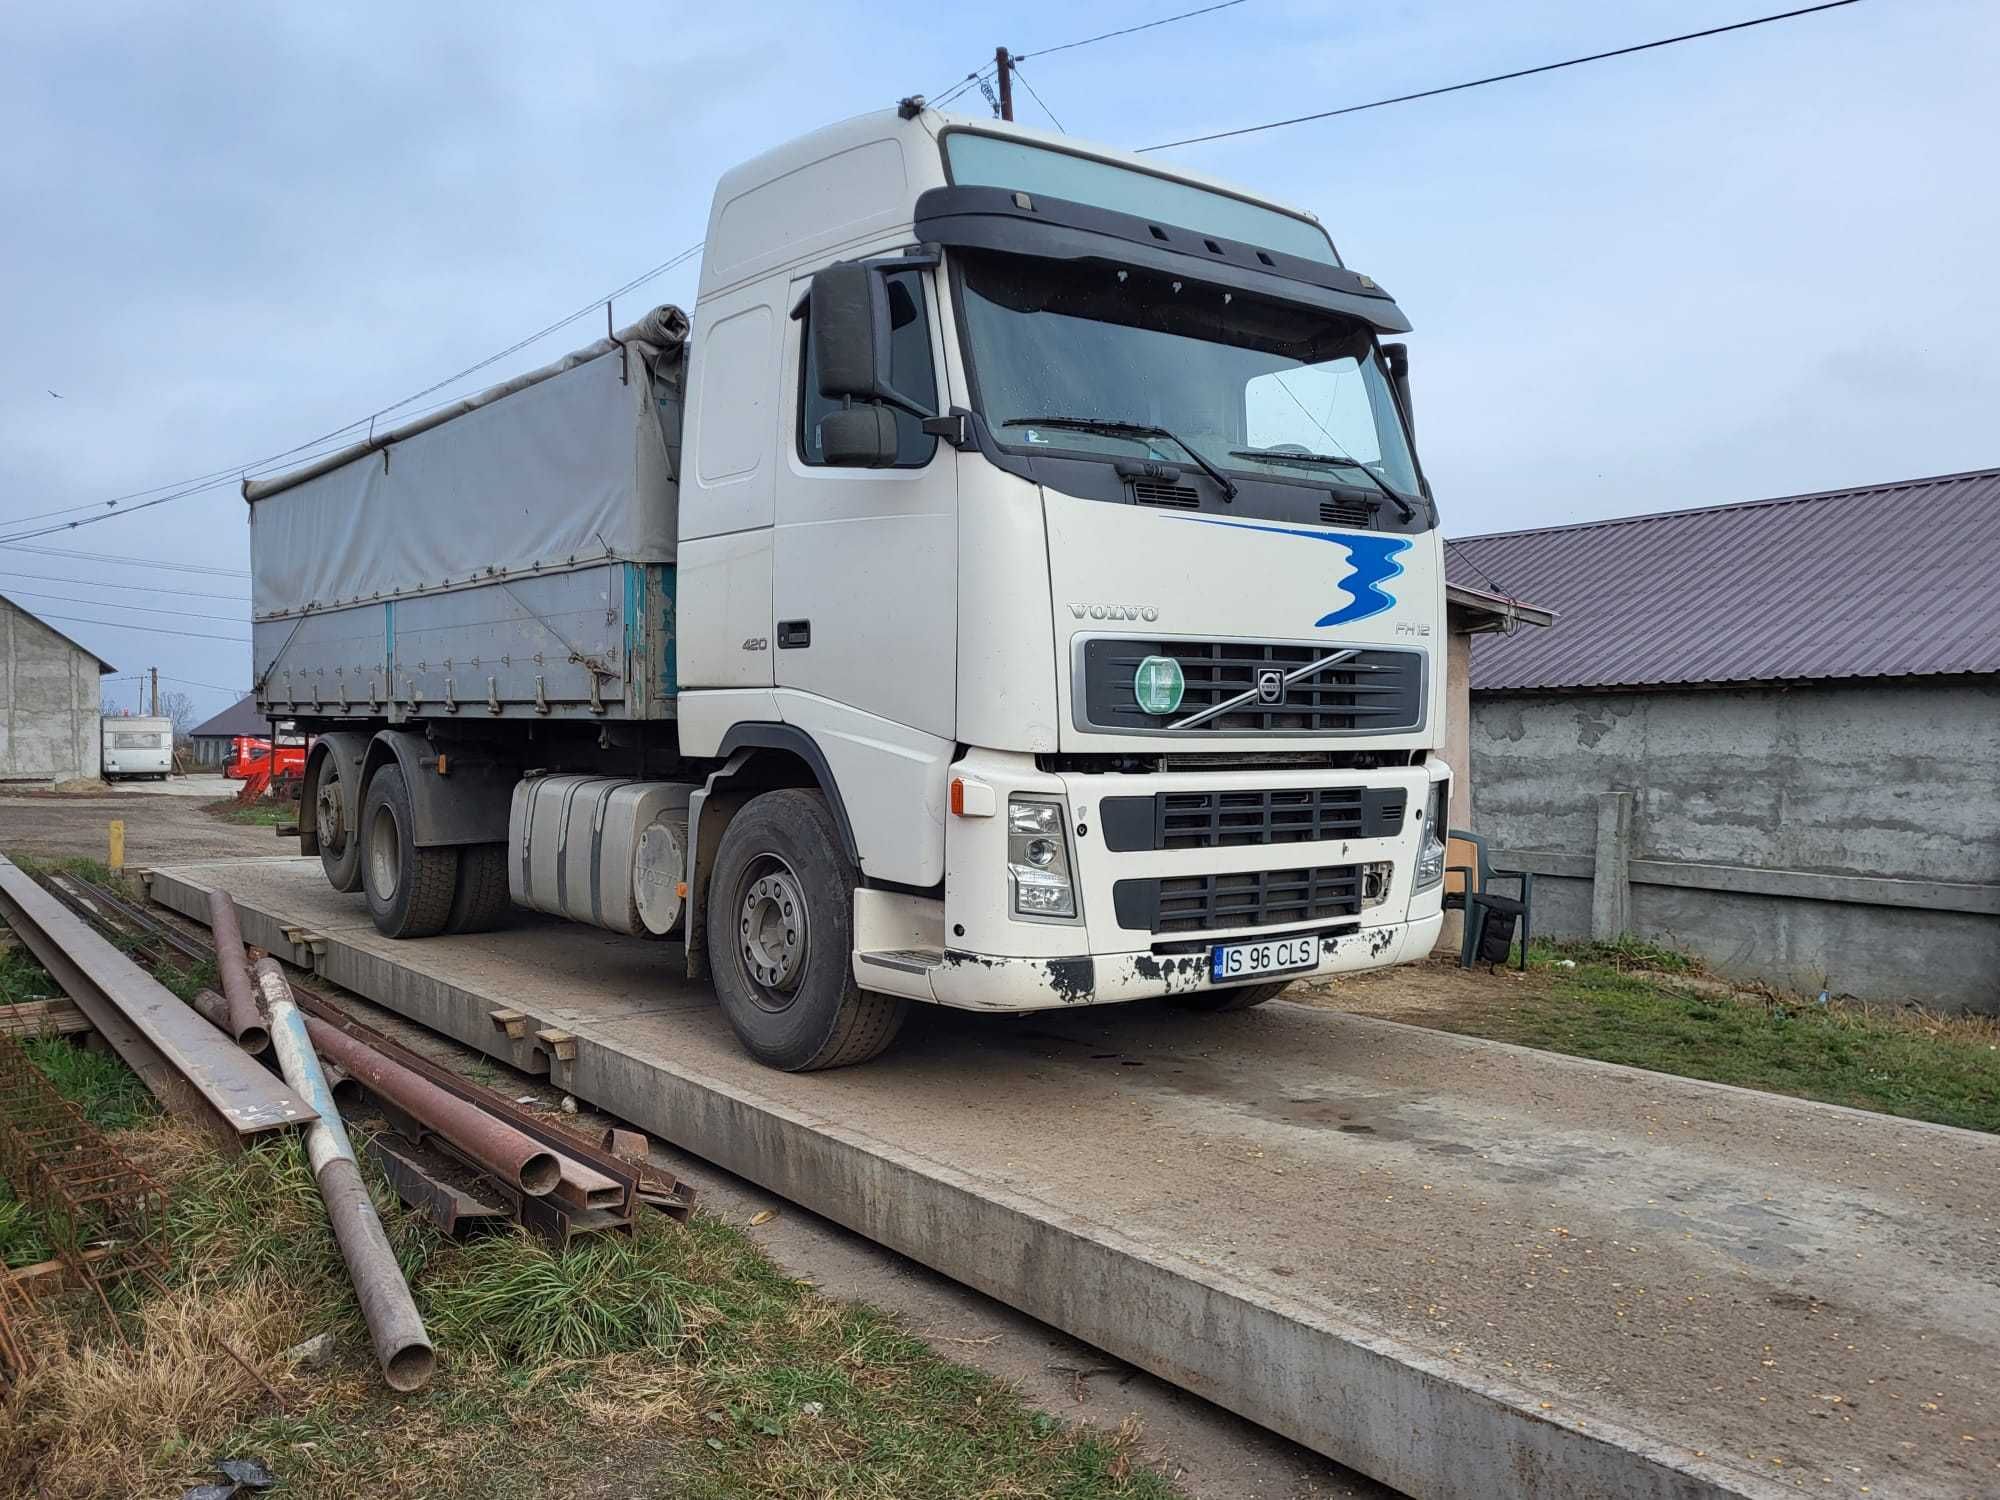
1014	588
138	745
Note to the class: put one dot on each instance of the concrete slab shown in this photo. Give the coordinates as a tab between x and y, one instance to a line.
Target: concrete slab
1467	1269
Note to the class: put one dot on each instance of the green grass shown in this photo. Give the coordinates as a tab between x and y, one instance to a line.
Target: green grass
22	1242
21	978
260	814
1919	1067
107	1092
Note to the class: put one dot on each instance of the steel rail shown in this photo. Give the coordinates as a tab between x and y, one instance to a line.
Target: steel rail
177	1055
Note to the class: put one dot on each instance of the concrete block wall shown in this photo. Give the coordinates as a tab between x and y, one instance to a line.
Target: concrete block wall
1858	824
49	704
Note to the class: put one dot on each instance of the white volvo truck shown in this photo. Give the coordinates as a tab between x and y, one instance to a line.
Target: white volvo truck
1014	588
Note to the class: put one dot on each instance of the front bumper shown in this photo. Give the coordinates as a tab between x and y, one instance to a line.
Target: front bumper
983	981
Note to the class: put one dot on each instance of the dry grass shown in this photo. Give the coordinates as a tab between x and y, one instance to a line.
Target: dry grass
105	1415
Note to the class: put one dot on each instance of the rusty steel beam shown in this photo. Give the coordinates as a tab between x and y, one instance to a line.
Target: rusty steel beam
453	1210
190	1070
641	1182
244	1023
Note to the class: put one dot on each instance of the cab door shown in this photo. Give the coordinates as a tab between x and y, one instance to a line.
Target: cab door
865	594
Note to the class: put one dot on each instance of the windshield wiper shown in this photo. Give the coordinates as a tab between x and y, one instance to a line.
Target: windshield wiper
1114	428
1332	461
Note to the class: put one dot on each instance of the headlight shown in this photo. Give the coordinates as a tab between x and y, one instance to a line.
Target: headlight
1430	856
1038	857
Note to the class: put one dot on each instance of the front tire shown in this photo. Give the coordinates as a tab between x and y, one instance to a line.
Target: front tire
410	890
781	939
1238	997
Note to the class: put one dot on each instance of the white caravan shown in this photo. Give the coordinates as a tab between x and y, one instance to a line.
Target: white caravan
1014	587
138	745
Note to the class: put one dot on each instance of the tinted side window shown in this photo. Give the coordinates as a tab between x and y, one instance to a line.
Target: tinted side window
910	369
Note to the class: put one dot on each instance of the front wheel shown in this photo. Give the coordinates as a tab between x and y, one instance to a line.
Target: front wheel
409	889
1238	997
781	939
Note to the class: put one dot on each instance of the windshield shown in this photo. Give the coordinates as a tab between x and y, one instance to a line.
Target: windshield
1270	388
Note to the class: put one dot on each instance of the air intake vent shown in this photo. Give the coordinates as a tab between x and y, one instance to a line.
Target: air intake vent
1340	512
1158	492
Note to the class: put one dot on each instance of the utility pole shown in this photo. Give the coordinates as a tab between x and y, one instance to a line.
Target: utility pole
1003	61
155	671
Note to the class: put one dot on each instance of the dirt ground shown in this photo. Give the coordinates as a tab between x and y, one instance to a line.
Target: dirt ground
1420	993
165	823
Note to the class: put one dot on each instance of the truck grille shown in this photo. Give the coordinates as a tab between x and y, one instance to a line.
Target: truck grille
1250	898
1378	691
1220	820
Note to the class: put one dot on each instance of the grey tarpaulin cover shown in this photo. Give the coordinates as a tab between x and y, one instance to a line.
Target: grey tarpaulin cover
571	463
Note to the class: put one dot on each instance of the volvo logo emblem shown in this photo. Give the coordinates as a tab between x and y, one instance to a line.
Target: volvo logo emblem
1270	685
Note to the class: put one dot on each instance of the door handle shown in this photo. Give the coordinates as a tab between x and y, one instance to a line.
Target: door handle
794	634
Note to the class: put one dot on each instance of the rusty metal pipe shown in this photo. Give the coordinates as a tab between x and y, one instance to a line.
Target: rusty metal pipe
509	1154
212	1008
402	1347
244	1023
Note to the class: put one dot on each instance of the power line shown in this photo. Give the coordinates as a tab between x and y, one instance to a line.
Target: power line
199	635
132	562
1016	69
1105	36
14	593
981	75
1453	88
136	588
241	692
221	478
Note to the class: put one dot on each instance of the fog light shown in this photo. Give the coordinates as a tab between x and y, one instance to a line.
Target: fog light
1375	883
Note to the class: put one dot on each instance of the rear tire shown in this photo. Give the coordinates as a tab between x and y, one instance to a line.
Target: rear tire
409	889
1239	997
480	904
781	939
342	866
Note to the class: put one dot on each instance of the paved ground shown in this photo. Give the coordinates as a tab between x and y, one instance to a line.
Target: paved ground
1783	1293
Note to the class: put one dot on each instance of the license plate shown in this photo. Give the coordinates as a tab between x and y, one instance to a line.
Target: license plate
1247	960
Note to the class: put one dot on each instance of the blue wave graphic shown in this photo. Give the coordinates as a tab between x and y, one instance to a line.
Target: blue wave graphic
1373	560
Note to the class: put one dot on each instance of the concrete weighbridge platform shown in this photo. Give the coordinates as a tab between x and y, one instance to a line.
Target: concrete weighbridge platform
1468	1269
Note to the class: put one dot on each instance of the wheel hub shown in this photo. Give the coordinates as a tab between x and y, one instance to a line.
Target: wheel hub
772	929
329	818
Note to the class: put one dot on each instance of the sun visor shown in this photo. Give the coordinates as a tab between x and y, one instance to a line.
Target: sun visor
1019	223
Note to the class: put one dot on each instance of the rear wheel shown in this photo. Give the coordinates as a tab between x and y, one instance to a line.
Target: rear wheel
409	889
339	844
1239	997
781	939
480	904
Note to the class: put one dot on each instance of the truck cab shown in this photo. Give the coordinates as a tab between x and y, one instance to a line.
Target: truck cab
1014	587
1068	505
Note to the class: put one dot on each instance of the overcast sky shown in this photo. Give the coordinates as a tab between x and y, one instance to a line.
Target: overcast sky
1752	265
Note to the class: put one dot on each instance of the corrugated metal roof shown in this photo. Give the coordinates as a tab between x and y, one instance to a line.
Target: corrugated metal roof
1886	580
239	718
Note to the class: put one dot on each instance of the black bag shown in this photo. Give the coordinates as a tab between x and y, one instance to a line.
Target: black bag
1496	938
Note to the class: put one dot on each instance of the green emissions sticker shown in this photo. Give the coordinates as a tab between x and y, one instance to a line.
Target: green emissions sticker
1158	684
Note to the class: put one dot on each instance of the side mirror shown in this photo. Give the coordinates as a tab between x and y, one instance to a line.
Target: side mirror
1397	358
852	311
858	437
